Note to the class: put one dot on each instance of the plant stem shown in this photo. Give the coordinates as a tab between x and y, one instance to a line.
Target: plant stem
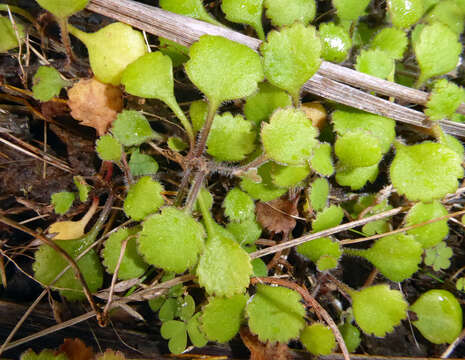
194	191
207	217
200	147
63	23
184	121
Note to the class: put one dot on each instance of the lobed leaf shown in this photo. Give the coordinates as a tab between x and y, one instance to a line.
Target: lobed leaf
142	164
350	9
439	256
238	206
284	13
318	339
264	190
316	249
358	149
375	62
132	128
321	161
405	13
356	178
444	100
143	198
328	218
108	148
392	41
246	12
319	194
47	83
62	201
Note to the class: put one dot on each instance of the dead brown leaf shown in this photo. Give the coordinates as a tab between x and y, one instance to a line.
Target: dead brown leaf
111	355
75	349
277	215
261	351
95	104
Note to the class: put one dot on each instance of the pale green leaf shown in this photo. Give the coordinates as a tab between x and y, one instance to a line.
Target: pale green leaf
336	42
264	190
62	201
195	334
8	40
439	316
143	198
321	161
392	41
43	355
358	149
198	114
142	164
246	12
328	218
63	9
378	309
83	188
425	171
132	128
238	205
222	317
438	257
191	8
176	144
319	248
291	72
290	175
405	13
351	336
177	53
47	83
318	339
319	194
171	240
108	148
245	232
449	13
375	62
283	12
350	9
444	100
175	331
289	137
356	178
210	56
186	307
275	313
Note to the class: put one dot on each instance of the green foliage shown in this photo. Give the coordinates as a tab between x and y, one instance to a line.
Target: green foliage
171	240
47	83
319	194
445	98
439	316
395	256
336	42
318	339
431	234
321	161
259	106
231	138
392	41
437	50
195	334
198	113
453	143
289	137
83	188
448	12
9	40
43	355
222	317
111	49
356	178
62	201
176	144
143	198
291	72
405	13
350	9
349	120
460	284
378	309
275	314
132	264
375	62
175	332
191	8
358	149
177	53
328	218
284	13
210	56
108	148
224	268
245	232
426	171
245	11
378	226
238	206
291	175
63	9
320	248
265	190
439	256
132	128
142	164
351	336
48	264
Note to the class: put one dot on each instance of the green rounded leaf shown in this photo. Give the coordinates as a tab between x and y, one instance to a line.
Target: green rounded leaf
44	355
290	175
375	62
111	50
132	264
291	72
350	9
259	106
62	201
405	13
275	314
351	336
47	83
108	148
439	316
132	128
328	218
356	178
439	256
83	188
431	234
238	205
142	164
283	12
9	40
231	138
143	198
48	264
191	8
245	232
175	331
222	317
378	309
336	42
210	56
171	240
246	12
177	53
318	248
318	339
437	50
358	149
195	334
425	171
321	161
198	113
289	137
319	194
61	8
224	268
392	41
448	12
264	190
444	100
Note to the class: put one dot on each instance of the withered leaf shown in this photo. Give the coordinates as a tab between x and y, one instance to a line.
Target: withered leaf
95	104
261	351
277	215
75	349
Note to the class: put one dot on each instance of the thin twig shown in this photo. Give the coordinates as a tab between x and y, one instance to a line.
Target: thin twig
452	346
